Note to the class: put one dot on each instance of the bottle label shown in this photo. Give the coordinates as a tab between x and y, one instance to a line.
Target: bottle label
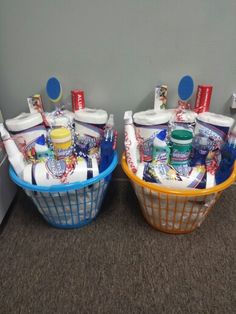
160	157
63	153
145	136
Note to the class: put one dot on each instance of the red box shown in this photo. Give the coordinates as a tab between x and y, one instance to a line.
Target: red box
203	98
77	97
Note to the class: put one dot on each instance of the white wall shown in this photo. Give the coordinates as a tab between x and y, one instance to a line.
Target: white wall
116	50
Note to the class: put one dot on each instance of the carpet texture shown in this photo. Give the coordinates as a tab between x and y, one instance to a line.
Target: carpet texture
118	264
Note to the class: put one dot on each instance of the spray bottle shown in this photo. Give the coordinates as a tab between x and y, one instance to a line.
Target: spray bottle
131	143
15	157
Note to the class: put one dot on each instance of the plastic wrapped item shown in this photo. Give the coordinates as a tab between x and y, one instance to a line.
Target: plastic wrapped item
203	98
131	143
15	157
147	125
77	98
25	129
212	164
228	157
35	104
54	172
182	118
89	127
108	144
214	126
60	118
168	176
201	146
160	100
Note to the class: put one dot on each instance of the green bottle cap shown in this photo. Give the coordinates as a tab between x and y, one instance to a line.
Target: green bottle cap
182	135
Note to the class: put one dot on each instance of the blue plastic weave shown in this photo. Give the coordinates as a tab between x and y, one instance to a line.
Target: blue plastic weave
69	205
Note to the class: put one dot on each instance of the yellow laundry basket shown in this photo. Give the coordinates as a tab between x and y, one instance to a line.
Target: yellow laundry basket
175	211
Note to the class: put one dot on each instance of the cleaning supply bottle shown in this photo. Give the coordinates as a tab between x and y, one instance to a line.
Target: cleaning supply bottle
42	149
62	142
15	157
160	150
131	143
200	149
181	141
181	146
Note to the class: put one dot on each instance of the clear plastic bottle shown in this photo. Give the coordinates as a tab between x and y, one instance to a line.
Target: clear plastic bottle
200	149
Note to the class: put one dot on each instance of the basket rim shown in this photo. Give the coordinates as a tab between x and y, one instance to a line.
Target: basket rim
181	192
67	186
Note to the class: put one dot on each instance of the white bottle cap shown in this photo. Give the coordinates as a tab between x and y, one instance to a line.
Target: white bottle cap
24	121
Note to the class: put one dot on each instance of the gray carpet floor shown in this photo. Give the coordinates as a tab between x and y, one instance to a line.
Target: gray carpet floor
118	264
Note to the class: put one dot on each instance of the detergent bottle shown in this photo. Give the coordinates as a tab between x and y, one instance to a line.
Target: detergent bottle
160	150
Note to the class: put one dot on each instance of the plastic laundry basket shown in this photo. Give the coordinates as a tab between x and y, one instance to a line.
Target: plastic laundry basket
175	211
69	205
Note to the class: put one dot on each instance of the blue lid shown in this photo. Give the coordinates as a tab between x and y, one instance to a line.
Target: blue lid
41	140
185	88
161	135
53	89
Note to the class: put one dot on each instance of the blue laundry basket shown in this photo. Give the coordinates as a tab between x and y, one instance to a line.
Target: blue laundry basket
70	205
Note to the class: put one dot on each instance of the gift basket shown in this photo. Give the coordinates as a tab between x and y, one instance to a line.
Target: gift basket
63	160
71	205
179	160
